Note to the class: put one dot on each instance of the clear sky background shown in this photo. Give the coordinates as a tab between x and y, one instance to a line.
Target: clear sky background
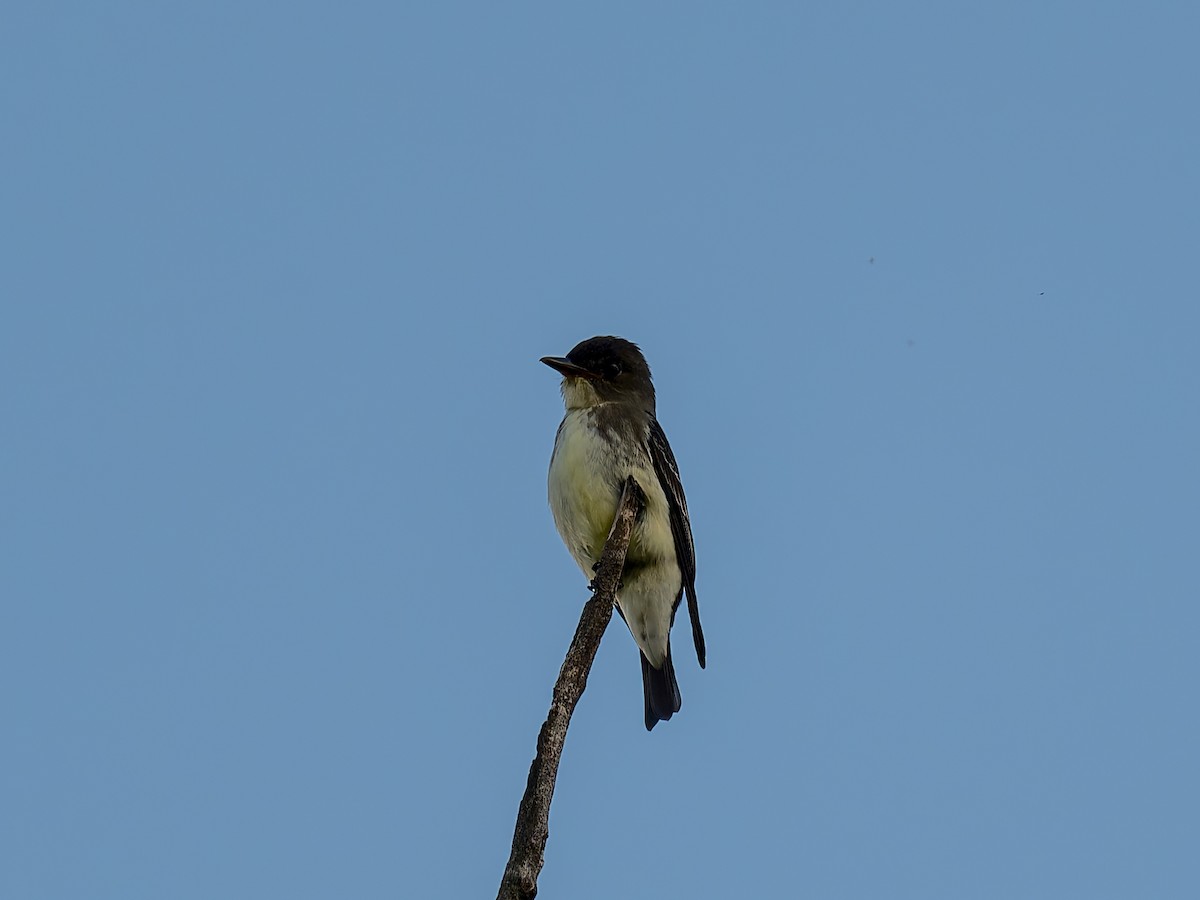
282	601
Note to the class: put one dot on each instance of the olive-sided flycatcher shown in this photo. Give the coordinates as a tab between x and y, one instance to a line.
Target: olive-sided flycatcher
609	433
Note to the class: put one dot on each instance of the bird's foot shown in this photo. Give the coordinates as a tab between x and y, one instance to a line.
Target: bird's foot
593	587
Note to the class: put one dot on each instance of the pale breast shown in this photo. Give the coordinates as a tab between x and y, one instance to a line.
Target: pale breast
586	474
582	497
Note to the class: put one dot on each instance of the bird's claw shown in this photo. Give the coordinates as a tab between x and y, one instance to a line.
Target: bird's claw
593	587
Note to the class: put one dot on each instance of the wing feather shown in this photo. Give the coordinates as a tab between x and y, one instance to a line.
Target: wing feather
681	527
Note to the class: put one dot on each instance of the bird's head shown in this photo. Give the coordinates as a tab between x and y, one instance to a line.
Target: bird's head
604	370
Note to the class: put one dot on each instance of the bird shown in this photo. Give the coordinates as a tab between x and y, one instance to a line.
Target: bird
609	432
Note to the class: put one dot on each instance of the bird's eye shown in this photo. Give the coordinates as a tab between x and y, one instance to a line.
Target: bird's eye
612	369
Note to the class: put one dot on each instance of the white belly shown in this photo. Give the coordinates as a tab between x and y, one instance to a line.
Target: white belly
586	476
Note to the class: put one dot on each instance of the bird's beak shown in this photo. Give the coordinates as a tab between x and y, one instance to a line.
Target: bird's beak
566	367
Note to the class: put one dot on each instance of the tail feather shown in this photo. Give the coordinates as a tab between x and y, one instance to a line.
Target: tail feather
661	689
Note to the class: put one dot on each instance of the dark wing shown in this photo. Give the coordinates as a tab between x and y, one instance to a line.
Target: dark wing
681	527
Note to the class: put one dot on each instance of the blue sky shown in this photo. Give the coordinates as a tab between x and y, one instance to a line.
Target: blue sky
282	599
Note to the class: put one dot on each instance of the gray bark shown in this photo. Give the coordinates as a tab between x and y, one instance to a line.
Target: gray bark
533	815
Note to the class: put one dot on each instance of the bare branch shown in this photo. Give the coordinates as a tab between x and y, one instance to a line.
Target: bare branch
533	815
